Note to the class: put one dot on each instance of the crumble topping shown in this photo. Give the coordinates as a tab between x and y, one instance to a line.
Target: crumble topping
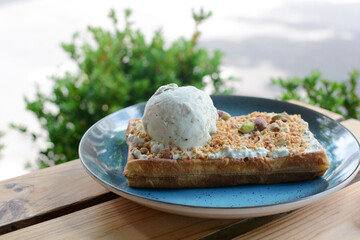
286	138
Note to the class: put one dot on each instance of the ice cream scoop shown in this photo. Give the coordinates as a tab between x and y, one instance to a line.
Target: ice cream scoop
181	117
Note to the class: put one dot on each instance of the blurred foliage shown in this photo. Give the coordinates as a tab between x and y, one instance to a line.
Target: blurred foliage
116	68
339	97
1	144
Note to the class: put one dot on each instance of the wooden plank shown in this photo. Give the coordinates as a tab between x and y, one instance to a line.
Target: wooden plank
335	116
28	199
353	126
336	217
241	227
120	219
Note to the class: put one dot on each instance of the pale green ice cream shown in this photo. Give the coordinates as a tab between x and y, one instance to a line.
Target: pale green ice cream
180	117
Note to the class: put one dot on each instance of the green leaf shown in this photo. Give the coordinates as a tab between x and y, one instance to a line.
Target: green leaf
115	68
332	95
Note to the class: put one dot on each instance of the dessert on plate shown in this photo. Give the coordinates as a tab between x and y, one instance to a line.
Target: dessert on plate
183	141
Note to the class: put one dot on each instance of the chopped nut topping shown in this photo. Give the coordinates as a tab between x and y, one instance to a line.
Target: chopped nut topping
223	115
274	127
260	123
282	116
144	150
165	153
283	134
247	127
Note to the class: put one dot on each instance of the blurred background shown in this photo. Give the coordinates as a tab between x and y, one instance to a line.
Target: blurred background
260	40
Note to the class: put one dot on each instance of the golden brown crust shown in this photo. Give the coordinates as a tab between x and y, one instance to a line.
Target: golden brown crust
189	173
217	180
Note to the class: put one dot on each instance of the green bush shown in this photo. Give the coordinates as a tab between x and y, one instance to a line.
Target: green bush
339	97
1	144
116	69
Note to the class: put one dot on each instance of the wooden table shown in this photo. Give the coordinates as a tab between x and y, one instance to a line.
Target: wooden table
63	202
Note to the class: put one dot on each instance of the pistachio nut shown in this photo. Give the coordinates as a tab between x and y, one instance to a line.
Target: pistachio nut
260	123
282	116
282	143
166	153
246	127
223	115
274	127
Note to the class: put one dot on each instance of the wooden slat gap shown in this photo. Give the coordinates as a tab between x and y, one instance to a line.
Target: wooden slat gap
242	227
55	213
42	192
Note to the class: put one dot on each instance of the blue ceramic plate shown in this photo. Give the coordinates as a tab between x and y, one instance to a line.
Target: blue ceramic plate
103	152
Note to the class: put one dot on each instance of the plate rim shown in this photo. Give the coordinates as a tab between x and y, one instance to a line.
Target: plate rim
317	196
226	212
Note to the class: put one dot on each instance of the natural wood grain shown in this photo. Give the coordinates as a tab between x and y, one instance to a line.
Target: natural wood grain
120	219
26	199
353	126
336	217
335	116
241	227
